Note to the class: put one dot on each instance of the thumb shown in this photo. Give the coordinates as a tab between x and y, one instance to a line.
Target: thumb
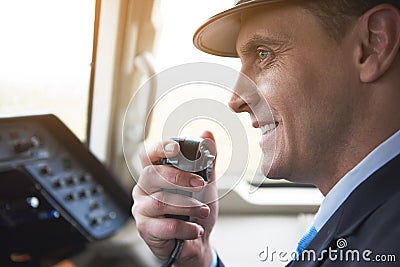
208	135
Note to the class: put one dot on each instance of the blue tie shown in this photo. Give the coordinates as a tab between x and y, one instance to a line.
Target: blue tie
306	239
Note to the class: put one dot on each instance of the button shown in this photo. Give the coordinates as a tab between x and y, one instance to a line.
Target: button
45	170
82	194
33	202
97	190
83	178
69	180
57	184
93	205
93	222
69	197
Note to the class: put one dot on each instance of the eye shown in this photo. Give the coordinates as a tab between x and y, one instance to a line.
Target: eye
263	54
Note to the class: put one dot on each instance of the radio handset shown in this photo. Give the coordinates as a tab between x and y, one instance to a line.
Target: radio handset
197	156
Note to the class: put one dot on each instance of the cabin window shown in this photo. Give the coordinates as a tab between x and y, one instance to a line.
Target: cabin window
46	54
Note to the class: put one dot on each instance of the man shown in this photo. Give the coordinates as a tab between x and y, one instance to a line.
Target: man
330	71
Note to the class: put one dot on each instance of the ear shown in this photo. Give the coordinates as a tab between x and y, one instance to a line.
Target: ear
380	33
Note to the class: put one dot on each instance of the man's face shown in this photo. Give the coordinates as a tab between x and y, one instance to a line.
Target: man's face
307	79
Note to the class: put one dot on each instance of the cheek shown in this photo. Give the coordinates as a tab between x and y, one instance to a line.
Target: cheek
315	109
285	92
295	95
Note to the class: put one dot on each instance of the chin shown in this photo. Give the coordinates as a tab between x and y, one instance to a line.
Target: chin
274	170
273	176
268	171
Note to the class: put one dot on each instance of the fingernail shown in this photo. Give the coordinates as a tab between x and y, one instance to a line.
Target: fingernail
171	147
195	182
204	212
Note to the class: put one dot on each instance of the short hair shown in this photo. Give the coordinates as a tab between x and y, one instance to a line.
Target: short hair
336	15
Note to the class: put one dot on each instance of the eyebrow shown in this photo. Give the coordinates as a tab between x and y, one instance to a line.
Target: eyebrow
256	39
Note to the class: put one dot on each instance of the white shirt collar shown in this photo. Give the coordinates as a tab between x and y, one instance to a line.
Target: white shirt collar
371	163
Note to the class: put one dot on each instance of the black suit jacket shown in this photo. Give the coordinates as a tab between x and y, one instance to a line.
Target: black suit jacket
365	230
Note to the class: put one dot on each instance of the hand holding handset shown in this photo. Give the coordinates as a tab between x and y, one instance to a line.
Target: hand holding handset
197	156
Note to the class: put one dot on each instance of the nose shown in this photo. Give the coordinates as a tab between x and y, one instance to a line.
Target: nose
238	104
245	95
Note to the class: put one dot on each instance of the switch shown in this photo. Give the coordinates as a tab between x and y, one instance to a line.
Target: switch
26	144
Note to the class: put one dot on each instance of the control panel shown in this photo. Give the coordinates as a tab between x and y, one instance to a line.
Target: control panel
53	190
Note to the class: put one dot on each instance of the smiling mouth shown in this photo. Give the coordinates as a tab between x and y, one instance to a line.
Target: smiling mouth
267	128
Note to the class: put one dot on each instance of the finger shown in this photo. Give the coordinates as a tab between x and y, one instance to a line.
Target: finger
154	230
138	194
154	152
160	234
162	249
208	135
157	177
163	203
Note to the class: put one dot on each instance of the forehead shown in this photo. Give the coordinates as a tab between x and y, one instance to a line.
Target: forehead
279	23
